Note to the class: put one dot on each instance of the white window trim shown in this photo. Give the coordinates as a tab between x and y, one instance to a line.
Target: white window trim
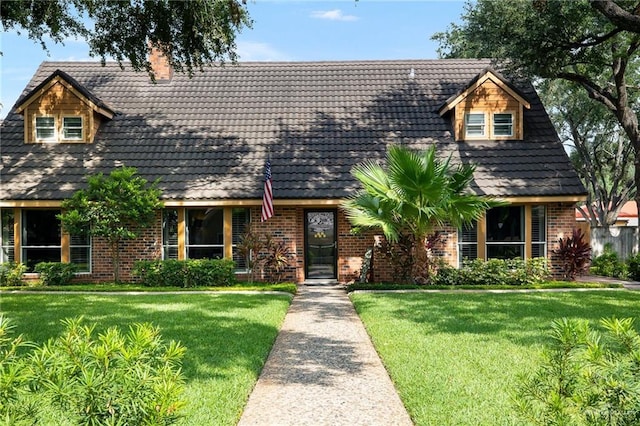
493	125
63	128
52	139
484	128
58	128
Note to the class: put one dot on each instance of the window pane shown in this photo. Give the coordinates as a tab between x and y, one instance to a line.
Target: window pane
81	257
503	124
538	250
32	256
504	251
40	228
72	127
205	252
45	128
469	233
7	237
538	222
474	124
72	121
205	226
239	225
505	224
170	234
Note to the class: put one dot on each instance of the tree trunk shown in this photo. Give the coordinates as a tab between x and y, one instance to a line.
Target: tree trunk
114	247
420	267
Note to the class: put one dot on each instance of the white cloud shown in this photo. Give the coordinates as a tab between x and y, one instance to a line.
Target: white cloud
256	51
333	15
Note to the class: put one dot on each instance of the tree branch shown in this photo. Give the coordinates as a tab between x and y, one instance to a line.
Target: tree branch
628	21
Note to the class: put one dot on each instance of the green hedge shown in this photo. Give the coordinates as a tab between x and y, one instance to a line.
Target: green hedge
55	273
511	272
185	273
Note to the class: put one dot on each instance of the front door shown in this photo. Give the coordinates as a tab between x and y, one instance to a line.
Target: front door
320	244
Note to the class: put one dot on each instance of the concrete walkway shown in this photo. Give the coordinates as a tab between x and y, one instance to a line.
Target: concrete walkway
323	369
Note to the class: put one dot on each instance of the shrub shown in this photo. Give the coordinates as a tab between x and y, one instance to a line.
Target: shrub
55	273
608	264
512	272
574	253
11	274
185	273
586	376
116	378
633	267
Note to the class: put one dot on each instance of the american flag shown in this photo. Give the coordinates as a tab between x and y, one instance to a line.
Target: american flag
267	198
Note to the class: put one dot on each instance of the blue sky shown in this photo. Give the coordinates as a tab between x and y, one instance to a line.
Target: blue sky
282	31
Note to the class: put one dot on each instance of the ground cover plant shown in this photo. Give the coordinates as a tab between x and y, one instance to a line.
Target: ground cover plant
456	357
227	337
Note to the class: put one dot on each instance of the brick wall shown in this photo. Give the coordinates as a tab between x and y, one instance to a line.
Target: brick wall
561	221
147	247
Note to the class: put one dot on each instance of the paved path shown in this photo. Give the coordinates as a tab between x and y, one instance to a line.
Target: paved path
323	369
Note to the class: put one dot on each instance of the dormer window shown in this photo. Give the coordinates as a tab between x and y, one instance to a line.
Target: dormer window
72	128
474	125
59	128
46	129
503	125
61	110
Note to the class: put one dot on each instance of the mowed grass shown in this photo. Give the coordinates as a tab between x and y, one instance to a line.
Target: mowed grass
227	337
455	357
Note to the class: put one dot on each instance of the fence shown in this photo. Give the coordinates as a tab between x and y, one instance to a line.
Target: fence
623	240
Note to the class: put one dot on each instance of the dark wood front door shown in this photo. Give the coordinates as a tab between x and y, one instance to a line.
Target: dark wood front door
320	244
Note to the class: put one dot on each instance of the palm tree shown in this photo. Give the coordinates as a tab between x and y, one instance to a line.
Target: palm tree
415	193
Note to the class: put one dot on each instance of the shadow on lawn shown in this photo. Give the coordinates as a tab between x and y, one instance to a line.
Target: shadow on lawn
521	318
216	332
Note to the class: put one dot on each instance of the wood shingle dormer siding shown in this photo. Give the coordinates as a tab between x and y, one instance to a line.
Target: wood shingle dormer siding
60	110
488	108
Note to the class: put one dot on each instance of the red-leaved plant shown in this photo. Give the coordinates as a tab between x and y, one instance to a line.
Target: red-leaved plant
575	254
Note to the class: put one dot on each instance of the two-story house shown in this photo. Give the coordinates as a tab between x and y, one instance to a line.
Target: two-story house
207	138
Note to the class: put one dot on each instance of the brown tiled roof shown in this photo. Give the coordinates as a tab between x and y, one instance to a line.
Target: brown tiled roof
208	137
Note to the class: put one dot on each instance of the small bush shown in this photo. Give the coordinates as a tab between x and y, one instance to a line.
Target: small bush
78	378
11	274
55	273
586	378
633	267
185	273
608	264
499	272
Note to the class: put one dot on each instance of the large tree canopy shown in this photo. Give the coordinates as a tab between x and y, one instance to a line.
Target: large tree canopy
191	33
593	44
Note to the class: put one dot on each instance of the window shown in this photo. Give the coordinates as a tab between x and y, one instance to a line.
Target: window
539	231
170	234
7	239
72	128
80	252
45	128
239	223
57	128
505	232
474	124
468	242
41	237
205	233
503	124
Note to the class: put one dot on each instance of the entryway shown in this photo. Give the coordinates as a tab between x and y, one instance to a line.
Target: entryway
320	245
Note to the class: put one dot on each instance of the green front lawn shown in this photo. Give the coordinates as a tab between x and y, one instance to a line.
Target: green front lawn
455	357
227	336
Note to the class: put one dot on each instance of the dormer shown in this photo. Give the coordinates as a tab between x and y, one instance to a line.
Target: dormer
488	108
60	110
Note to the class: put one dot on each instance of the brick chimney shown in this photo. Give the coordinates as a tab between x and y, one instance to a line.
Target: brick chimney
160	66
